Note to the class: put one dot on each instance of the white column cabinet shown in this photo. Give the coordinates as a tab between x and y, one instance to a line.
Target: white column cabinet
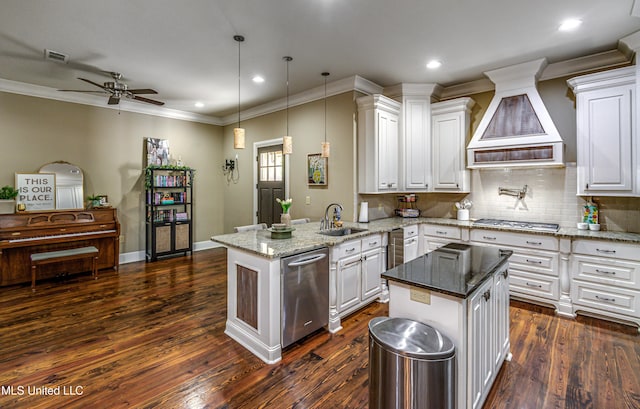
378	130
449	133
605	106
417	143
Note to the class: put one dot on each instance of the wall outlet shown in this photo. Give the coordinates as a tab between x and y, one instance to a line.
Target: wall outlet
420	295
307	200
121	239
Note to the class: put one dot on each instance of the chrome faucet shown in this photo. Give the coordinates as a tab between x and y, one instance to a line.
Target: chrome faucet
325	223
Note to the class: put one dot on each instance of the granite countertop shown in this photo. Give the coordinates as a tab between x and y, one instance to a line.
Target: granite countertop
455	269
305	237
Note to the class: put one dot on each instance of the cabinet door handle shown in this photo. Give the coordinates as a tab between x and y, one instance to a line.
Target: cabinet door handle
351	250
607	299
606	251
489	238
373	244
440	232
487	295
411	241
533	285
505	273
533	261
534	243
605	272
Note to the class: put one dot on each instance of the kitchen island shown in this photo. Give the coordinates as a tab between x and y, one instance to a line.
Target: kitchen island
254	293
462	291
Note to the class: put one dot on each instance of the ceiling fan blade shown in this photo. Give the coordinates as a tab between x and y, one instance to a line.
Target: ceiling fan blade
150	101
113	100
92	83
84	90
143	91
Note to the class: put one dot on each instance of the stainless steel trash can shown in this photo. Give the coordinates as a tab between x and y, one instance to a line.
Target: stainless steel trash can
411	366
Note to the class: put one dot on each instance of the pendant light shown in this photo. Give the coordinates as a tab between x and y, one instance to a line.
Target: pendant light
238	133
326	146
287	141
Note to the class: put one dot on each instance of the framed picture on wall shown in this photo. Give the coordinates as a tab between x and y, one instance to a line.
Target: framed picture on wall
317	171
157	152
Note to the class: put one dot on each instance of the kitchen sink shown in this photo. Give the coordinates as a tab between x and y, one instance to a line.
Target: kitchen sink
343	231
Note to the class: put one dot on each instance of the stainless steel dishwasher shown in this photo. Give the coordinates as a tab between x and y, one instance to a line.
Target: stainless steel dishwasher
304	289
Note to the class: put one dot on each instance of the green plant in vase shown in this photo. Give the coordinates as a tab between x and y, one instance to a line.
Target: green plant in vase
285	204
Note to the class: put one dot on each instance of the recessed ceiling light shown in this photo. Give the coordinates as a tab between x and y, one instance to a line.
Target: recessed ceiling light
433	64
258	79
570	24
199	104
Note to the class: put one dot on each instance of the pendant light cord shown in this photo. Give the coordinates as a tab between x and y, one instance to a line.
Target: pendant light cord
239	39
287	59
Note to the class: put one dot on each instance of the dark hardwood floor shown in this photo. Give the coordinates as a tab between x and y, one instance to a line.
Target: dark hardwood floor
152	336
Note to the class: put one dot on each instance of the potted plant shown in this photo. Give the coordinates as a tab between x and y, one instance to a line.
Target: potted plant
8	199
94	201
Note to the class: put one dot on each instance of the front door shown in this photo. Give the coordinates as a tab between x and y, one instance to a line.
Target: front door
270	183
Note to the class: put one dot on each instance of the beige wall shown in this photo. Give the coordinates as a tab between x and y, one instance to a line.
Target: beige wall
108	145
306	126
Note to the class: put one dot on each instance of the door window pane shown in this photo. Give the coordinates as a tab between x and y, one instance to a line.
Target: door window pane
271	168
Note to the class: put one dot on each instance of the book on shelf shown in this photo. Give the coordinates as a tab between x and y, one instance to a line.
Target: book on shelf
181	216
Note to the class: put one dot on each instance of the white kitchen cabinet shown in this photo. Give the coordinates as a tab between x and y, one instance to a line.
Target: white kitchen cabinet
534	266
417	143
378	129
488	335
359	264
348	274
605	116
606	279
435	236
371	269
449	133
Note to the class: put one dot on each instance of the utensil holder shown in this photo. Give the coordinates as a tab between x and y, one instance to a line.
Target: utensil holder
463	214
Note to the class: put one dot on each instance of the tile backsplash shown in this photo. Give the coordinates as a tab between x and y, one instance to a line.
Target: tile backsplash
551	197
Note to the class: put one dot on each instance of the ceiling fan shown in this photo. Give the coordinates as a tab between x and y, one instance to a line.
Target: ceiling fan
117	90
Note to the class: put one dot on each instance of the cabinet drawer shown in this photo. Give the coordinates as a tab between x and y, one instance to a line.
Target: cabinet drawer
539	262
532	241
609	249
410	231
606	271
348	248
605	298
448	232
371	242
523	282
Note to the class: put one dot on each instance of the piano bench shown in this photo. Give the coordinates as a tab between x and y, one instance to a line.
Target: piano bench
39	259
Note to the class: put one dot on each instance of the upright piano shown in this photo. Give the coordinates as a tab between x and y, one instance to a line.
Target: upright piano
22	234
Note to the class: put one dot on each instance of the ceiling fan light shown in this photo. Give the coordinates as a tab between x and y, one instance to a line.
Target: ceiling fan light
238	138
326	149
287	145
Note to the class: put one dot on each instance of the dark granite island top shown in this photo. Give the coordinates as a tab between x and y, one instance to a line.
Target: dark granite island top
455	269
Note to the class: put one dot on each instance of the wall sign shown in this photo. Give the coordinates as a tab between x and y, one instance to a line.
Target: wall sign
36	191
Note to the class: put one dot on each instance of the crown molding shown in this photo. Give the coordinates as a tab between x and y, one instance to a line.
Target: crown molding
600	61
39	91
349	84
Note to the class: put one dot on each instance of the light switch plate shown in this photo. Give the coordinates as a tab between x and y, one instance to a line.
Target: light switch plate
420	295
307	200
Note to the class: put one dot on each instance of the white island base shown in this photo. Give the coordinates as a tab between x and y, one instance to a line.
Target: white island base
478	326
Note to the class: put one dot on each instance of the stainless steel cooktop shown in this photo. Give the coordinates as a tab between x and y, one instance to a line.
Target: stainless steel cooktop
534	226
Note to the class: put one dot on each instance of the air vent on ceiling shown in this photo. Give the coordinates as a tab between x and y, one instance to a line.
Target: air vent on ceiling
55	56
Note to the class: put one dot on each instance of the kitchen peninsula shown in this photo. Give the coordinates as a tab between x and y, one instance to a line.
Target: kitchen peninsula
256	256
463	291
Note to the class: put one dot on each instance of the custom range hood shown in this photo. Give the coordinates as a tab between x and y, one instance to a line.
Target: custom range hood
516	130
